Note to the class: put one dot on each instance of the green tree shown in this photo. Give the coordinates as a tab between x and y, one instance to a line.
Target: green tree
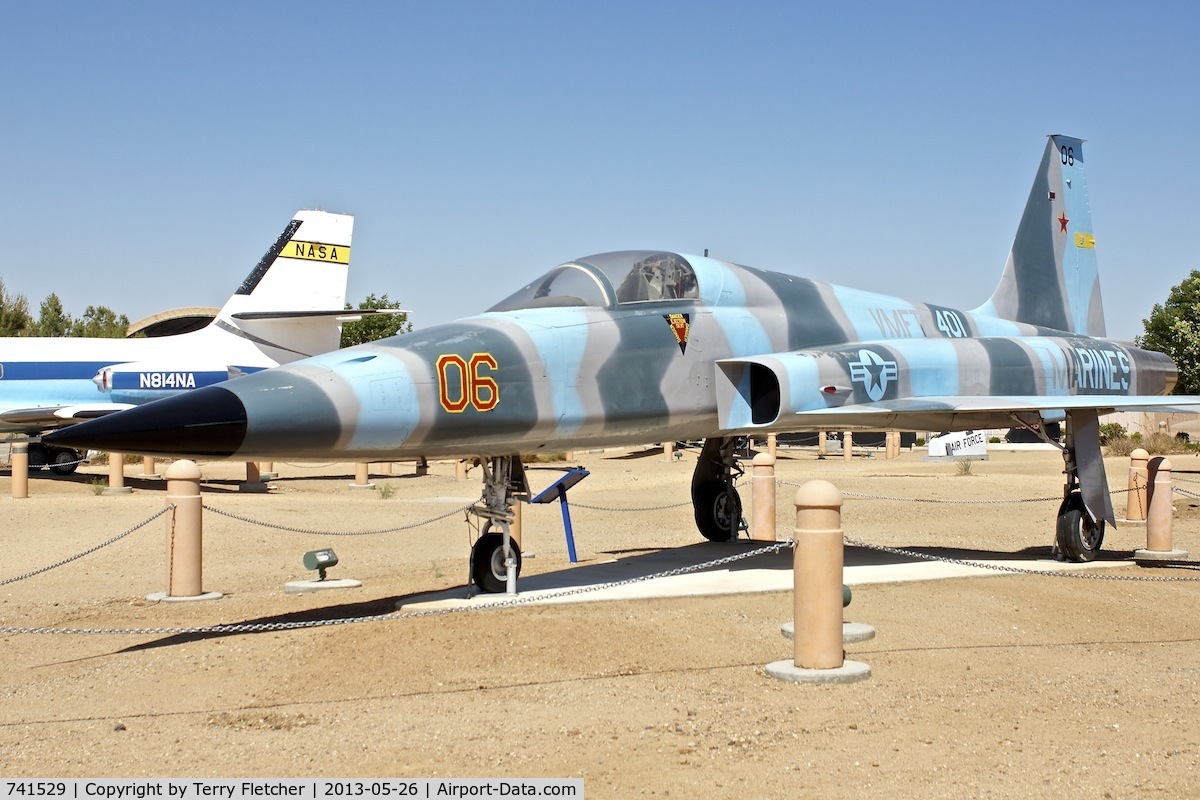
101	321
375	326
52	319
14	313
1174	328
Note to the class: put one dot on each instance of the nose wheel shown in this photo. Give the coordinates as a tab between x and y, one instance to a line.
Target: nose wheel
489	561
496	556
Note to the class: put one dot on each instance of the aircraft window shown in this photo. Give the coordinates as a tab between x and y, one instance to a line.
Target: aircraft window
567	285
646	276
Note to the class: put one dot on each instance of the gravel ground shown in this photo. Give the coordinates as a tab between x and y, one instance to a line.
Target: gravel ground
1006	686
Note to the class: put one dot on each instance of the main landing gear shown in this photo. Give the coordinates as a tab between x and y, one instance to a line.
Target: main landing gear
1086	505
60	460
717	505
495	557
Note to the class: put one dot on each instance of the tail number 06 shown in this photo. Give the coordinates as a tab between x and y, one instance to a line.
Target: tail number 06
462	383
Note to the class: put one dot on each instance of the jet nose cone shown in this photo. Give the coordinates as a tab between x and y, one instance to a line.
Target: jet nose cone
204	422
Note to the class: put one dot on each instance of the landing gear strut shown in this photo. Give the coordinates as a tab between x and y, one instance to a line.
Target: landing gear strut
495	557
717	505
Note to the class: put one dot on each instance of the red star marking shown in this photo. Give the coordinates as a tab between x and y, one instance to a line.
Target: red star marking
1063	221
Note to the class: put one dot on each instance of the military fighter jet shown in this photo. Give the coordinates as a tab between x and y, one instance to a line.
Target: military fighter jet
630	347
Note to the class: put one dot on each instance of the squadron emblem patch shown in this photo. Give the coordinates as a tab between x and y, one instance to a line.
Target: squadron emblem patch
681	326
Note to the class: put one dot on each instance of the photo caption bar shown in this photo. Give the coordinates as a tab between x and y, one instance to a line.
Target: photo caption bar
320	789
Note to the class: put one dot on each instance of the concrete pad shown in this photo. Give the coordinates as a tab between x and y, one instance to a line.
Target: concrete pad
1159	555
163	597
301	587
848	672
852	632
771	572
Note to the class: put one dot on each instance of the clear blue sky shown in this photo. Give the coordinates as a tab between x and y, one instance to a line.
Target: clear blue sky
152	151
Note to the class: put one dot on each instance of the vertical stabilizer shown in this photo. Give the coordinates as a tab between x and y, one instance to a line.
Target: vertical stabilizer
305	270
1051	278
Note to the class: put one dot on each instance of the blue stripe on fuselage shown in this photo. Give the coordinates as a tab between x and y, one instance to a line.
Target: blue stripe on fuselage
937	374
49	370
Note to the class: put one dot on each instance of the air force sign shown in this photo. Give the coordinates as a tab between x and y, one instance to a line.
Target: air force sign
874	373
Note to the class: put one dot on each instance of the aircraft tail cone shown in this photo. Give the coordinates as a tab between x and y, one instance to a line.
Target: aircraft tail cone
215	426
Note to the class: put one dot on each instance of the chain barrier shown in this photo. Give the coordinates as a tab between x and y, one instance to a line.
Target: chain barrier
739	484
940	501
640	508
291	529
262	627
1185	492
1020	570
88	552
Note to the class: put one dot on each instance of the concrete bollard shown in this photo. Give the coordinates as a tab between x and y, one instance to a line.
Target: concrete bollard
514	530
254	483
185	535
149	470
19	458
116	475
1158	515
460	470
1135	500
668	451
772	444
361	477
822	444
847	445
817	655
762	522
818	563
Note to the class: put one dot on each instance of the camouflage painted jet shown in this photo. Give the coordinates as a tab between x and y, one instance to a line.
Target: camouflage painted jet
629	347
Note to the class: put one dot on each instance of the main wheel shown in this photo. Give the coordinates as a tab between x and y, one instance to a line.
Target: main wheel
487	562
64	462
1078	538
718	511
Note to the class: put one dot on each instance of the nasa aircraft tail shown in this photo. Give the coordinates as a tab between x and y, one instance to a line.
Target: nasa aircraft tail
289	304
1051	278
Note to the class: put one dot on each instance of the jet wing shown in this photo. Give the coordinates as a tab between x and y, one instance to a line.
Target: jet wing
342	315
44	418
968	413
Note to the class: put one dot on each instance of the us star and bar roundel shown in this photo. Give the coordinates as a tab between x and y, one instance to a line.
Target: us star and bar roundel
681	326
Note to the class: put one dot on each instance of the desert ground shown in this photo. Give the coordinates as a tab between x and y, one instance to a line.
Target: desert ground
1002	686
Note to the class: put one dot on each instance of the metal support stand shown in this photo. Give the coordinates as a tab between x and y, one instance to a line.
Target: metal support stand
558	491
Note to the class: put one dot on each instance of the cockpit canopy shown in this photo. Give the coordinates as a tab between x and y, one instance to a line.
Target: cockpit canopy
609	279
